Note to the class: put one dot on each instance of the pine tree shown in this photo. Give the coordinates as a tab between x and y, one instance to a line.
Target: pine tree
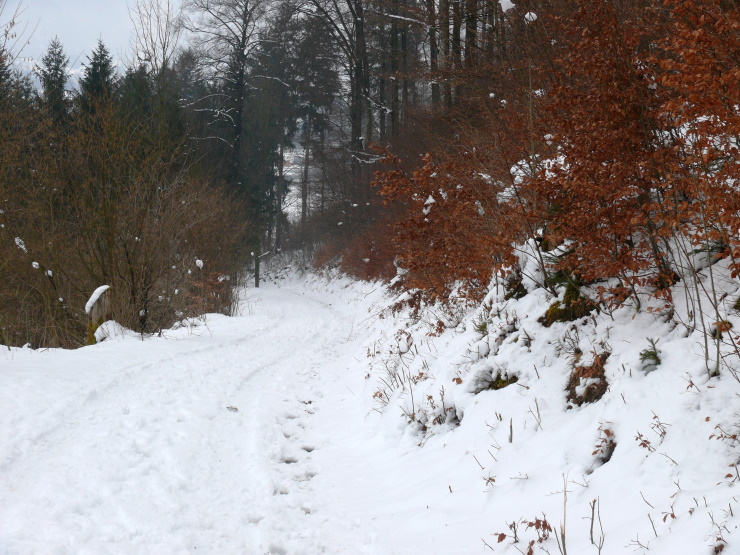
53	76
6	76
135	92
98	80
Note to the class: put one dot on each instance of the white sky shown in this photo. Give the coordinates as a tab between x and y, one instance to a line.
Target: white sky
78	24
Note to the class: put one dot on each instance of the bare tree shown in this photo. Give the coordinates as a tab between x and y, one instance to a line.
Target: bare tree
226	33
157	30
345	20
14	35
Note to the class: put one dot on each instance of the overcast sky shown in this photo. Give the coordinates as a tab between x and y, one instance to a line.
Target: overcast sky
78	24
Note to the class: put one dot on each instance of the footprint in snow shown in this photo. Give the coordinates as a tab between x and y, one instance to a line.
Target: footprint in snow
306	476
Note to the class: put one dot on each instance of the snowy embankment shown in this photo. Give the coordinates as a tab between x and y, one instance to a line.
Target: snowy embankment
257	434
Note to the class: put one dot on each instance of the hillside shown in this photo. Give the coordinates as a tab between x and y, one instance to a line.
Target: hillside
617	410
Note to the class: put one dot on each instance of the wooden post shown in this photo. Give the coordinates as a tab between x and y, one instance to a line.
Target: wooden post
99	310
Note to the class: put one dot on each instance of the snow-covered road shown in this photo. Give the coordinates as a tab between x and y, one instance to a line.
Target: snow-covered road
209	440
256	435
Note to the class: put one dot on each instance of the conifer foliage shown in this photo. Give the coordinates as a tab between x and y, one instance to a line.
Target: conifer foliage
52	72
98	79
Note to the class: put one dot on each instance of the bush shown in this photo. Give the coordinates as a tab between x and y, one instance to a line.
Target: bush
567	311
514	288
444	239
112	203
587	384
649	357
370	254
501	380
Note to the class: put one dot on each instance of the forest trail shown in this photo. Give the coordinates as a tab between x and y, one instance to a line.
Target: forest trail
221	438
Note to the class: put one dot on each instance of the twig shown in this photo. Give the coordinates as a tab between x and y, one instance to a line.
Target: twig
646	501
653	525
511	430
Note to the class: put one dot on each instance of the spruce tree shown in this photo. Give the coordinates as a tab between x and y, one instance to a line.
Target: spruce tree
135	92
6	76
53	75
98	79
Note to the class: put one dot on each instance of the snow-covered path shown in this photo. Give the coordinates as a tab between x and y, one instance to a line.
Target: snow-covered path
256	435
206	441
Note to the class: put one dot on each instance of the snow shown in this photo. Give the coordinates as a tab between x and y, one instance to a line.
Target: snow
261	433
21	244
428	205
506	5
94	297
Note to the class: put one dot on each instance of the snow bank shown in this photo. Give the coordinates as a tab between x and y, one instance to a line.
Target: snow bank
113	330
656	456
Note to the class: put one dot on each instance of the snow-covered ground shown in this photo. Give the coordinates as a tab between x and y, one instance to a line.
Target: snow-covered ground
206	440
259	434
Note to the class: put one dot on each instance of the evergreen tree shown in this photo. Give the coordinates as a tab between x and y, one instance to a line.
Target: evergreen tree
53	76
135	92
6	76
16	90
298	64
98	80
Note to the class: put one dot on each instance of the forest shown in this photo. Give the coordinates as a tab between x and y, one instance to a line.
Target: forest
419	141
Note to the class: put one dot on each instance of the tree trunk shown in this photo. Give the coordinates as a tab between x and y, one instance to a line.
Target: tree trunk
457	43
304	181
471	32
395	108
279	200
381	95
433	52
363	64
257	259
444	32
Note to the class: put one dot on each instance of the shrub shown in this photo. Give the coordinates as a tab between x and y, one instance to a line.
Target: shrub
718	328
515	288
567	311
587	384
502	380
604	448
495	380
649	357
114	203
369	255
444	239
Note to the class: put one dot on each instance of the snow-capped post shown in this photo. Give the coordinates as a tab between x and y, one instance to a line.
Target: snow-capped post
99	310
